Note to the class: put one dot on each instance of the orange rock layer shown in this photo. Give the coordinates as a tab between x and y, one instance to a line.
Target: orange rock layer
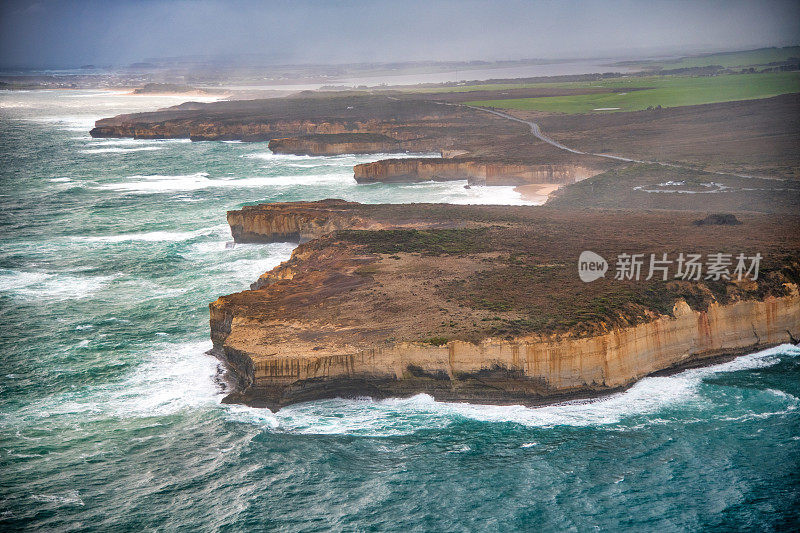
525	370
475	172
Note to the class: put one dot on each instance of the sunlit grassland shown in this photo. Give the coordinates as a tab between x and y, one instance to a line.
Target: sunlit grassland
632	94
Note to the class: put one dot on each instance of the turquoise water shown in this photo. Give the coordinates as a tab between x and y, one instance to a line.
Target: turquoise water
110	414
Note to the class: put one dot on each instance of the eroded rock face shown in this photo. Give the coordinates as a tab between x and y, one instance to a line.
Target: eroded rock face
291	222
528	370
475	172
409	310
354	143
266	119
303	221
206	130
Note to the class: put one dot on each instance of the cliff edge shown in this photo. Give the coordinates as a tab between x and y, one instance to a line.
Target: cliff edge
484	303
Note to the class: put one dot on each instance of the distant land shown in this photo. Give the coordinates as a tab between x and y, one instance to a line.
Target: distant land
169	88
484	304
760	57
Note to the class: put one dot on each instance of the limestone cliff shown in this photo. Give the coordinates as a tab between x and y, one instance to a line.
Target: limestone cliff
332	123
293	221
335	144
302	221
208	130
475	172
329	114
482	303
526	370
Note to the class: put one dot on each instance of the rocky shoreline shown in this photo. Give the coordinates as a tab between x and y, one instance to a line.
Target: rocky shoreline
482	303
475	172
469	141
356	313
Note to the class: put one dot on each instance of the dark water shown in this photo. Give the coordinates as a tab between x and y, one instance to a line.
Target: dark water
110	420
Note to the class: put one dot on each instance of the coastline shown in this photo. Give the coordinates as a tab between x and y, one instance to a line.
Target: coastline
537	193
237	394
351	266
528	372
346	317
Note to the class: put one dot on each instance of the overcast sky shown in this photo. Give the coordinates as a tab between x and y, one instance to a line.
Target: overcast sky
65	33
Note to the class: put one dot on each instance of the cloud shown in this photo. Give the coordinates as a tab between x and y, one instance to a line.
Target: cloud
70	32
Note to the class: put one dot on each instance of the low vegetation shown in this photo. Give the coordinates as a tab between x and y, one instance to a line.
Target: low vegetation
524	282
637	93
661	187
426	242
523	300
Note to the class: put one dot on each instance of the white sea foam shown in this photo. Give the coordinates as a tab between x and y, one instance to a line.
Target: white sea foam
309	165
67	498
341	159
149	290
269	156
161	183
401	416
200	180
220	230
648	396
51	286
173	377
131	142
499	195
13	280
454	192
120	150
67	123
238	262
344	178
220	247
450	192
150	236
247	271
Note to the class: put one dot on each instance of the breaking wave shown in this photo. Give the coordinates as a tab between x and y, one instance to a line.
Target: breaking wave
120	150
200	180
650	396
51	286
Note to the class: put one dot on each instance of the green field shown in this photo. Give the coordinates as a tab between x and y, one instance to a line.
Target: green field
749	58
666	91
483	87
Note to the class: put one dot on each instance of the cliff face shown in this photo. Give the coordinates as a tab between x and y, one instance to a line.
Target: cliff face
355	143
525	370
333	114
476	172
483	303
200	130
303	221
382	123
293	221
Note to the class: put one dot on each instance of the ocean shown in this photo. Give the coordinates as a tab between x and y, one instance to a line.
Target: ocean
110	413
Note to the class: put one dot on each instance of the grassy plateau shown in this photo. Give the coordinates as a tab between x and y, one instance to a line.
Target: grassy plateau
666	91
